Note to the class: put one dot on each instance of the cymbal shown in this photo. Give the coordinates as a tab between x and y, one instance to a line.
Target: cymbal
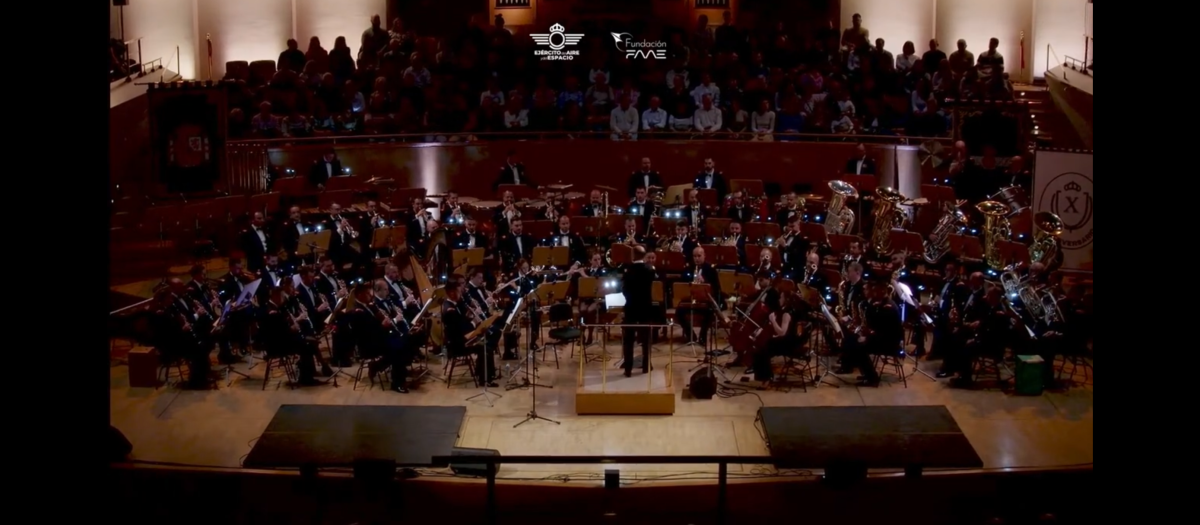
605	188
558	186
487	204
573	195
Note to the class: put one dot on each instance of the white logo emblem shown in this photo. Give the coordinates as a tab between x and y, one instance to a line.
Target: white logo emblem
639	48
556	40
1069	195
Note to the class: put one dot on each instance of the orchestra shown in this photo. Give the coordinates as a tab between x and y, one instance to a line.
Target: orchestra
393	306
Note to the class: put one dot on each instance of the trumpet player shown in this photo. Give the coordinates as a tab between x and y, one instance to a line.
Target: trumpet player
642	205
418	225
450	208
682	242
790	206
735	239
343	235
738	211
291	230
811	276
631	237
505	213
644	177
792	247
711	179
470	237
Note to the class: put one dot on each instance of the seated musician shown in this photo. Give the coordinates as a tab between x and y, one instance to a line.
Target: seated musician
595	205
855	254
340	249
700	272
174	338
418	231
681	242
470	237
1017	175
291	230
643	178
397	352
333	288
450	210
551	211
235	328
199	290
987	332
880	333
271	273
790	206
1067	335
315	303
737	240
515	246
950	296
457	326
280	336
365	327
766	264
256	242
642	205
812	276
783	324
693	211
851	296
591	308
902	271
563	236
738	211
371	221
306	318
505	213
198	312
631	237
792	247
403	298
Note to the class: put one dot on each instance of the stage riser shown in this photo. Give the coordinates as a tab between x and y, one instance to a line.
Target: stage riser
625	404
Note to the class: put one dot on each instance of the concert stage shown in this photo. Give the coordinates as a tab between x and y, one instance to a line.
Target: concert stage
334	436
872	437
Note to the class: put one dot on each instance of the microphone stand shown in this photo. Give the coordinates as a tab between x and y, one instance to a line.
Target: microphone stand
530	362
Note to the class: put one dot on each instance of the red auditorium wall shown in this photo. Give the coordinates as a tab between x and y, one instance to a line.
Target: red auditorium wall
470	169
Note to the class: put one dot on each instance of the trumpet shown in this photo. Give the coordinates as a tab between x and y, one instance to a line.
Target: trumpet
345	228
731	240
511	212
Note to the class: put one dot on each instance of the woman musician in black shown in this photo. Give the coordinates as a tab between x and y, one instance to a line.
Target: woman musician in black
782	324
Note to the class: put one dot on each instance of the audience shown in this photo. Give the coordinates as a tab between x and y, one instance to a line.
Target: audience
722	81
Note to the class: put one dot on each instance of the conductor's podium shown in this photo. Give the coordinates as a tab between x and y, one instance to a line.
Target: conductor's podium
603	389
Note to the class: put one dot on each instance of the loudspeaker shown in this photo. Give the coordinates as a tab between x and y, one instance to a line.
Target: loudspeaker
375	470
702	385
118	446
612	478
119	3
465	468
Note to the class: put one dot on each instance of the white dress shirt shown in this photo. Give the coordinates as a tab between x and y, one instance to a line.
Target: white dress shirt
708	118
624	120
709	89
654	119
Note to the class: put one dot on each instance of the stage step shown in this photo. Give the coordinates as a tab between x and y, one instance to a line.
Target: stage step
615	394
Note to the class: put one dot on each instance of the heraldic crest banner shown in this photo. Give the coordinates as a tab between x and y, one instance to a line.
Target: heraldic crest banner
186	126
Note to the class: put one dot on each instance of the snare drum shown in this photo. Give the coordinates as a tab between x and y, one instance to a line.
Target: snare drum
1014	197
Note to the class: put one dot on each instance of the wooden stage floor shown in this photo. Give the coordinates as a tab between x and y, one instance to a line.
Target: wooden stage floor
218	428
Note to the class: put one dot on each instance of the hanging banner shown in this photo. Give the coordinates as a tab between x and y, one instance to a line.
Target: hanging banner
1063	186
186	126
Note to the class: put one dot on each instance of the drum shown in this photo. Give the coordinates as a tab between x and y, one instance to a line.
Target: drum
1014	197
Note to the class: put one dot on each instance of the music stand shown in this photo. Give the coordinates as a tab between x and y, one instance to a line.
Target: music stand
313	243
696	297
715	227
467	257
588	226
841	243
589	288
726	256
907	242
478	332
544	256
673	261
1013	252
381	238
757	231
621	254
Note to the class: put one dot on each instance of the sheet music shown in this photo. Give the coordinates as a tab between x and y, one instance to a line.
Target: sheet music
248	291
614	300
832	320
516	309
297	281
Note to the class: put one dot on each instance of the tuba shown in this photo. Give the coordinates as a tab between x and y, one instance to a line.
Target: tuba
839	219
995	229
953	221
1047	229
1023	289
888	215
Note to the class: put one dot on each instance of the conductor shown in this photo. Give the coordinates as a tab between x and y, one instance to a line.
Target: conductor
636	288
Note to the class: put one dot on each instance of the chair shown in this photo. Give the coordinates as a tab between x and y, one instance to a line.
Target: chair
1080	363
453	361
563	330
166	363
802	364
276	357
895	361
989	364
365	364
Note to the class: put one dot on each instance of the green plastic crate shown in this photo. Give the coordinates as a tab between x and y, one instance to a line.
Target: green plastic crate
1029	375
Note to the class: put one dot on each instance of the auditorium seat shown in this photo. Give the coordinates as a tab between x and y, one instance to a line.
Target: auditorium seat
261	72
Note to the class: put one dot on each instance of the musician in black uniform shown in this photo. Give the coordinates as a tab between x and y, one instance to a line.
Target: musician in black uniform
306	318
738	211
235	328
631	236
256	242
197	288
315	303
371	221
418	231
563	236
405	300
860	163
457	326
1065	336
951	295
590	308
782	324
199	314
280	336
643	178
737	240
397	353
682	241
290	232
504	213
636	285
329	284
711	179
512	172
792	249
325	168
595	205
851	296
450	210
988	330
271	274
855	254
174	336
700	272
789	209
811	276
477	297
470	237
515	246
641	205
343	236
882	332
693	212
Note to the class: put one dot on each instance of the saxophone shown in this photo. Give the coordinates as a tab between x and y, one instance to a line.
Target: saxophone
1047	229
840	309
888	215
953	221
995	229
839	219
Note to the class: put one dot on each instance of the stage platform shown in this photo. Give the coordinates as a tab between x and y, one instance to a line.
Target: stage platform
219	428
336	436
606	391
881	437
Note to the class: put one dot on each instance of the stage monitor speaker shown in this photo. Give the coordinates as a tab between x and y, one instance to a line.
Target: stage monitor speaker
703	385
375	470
119	447
466	468
119	3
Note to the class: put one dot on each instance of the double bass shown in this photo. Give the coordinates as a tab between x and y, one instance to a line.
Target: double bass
747	335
